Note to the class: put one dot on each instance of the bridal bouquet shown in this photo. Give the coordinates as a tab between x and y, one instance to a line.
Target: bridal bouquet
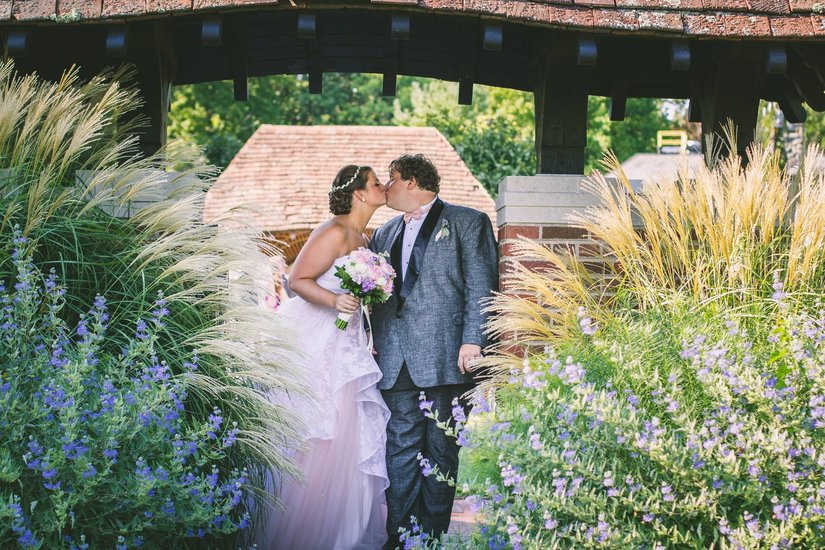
368	275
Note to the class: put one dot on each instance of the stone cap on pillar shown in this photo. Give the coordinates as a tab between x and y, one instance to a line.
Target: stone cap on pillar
545	199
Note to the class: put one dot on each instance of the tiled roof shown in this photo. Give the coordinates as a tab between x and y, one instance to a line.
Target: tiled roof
285	172
646	166
723	18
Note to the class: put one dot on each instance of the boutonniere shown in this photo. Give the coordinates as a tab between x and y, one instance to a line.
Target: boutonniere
444	232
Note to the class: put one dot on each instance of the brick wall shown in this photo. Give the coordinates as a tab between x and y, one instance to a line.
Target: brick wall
538	208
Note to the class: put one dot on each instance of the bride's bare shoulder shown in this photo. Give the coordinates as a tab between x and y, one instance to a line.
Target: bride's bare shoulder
331	233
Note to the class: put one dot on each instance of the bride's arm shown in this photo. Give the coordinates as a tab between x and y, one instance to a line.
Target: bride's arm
316	257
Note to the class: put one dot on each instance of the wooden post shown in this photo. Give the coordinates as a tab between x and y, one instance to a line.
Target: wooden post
730	93
561	117
155	66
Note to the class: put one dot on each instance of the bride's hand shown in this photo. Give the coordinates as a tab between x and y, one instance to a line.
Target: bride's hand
346	303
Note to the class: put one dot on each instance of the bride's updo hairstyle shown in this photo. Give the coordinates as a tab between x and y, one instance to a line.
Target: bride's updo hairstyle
349	179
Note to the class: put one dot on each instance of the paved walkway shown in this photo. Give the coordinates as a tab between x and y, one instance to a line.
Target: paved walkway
461	525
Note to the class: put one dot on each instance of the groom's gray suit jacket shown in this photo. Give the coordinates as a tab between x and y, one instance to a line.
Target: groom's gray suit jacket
437	307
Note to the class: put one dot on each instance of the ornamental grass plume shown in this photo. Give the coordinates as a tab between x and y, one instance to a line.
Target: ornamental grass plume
681	405
718	234
70	159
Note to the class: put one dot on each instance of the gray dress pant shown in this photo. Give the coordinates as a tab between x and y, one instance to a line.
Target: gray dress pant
409	432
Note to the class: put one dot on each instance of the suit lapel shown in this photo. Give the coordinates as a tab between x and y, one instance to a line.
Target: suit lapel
420	246
395	256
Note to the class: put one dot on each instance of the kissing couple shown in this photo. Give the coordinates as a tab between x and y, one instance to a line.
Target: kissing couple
362	481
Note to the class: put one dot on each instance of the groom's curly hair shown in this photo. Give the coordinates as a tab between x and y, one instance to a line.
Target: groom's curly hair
340	198
421	168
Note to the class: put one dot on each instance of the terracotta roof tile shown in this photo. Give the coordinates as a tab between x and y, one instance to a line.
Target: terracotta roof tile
86	9
818	22
799	25
770	6
627	20
23	10
804	5
705	24
661	4
719	18
748	25
572	16
661	21
168	5
113	8
284	172
725	5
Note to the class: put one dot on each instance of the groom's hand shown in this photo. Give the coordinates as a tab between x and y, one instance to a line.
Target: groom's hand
466	354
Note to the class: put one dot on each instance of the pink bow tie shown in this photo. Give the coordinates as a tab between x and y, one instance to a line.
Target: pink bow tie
415	214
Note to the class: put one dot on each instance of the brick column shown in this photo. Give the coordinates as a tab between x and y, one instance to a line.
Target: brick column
538	207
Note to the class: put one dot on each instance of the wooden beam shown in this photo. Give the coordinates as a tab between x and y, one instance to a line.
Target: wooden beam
467	68
791	106
776	60
561	117
17	42
786	94
730	94
307	26
493	37
618	100
588	52
400	27
240	62
807	82
694	111
390	82
155	67
679	55
116	38
212	30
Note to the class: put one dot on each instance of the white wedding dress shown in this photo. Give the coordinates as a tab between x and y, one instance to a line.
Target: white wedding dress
341	504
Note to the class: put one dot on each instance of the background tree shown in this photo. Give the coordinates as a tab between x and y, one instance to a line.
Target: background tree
495	135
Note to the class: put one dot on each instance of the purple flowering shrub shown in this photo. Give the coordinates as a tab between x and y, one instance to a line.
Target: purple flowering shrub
665	429
99	449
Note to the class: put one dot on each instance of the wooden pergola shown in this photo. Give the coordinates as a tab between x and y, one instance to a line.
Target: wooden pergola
722	55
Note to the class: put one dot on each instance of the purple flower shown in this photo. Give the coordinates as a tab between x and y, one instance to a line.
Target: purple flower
27	539
426	468
423	404
458	411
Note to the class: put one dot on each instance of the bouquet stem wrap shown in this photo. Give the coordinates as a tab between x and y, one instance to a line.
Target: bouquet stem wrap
343	320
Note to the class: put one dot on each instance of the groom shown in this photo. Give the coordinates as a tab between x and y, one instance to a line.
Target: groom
428	333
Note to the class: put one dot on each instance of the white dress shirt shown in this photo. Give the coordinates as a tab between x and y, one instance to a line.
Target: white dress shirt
410	234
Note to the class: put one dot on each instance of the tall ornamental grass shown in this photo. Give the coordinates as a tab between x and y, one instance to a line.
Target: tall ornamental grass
68	159
682	405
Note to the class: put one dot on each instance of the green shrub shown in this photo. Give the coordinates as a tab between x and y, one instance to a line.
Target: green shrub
682	404
98	448
69	159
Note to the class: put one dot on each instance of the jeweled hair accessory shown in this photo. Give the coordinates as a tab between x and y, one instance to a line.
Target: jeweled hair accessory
348	183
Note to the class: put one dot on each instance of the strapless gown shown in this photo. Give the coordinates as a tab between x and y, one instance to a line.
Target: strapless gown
341	504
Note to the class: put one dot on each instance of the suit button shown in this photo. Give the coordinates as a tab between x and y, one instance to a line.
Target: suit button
398	315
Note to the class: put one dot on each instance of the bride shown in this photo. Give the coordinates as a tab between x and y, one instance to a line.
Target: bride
341	505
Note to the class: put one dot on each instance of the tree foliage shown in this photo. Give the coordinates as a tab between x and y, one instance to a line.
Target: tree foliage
495	135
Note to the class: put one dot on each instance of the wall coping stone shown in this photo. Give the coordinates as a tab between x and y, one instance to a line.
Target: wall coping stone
546	199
